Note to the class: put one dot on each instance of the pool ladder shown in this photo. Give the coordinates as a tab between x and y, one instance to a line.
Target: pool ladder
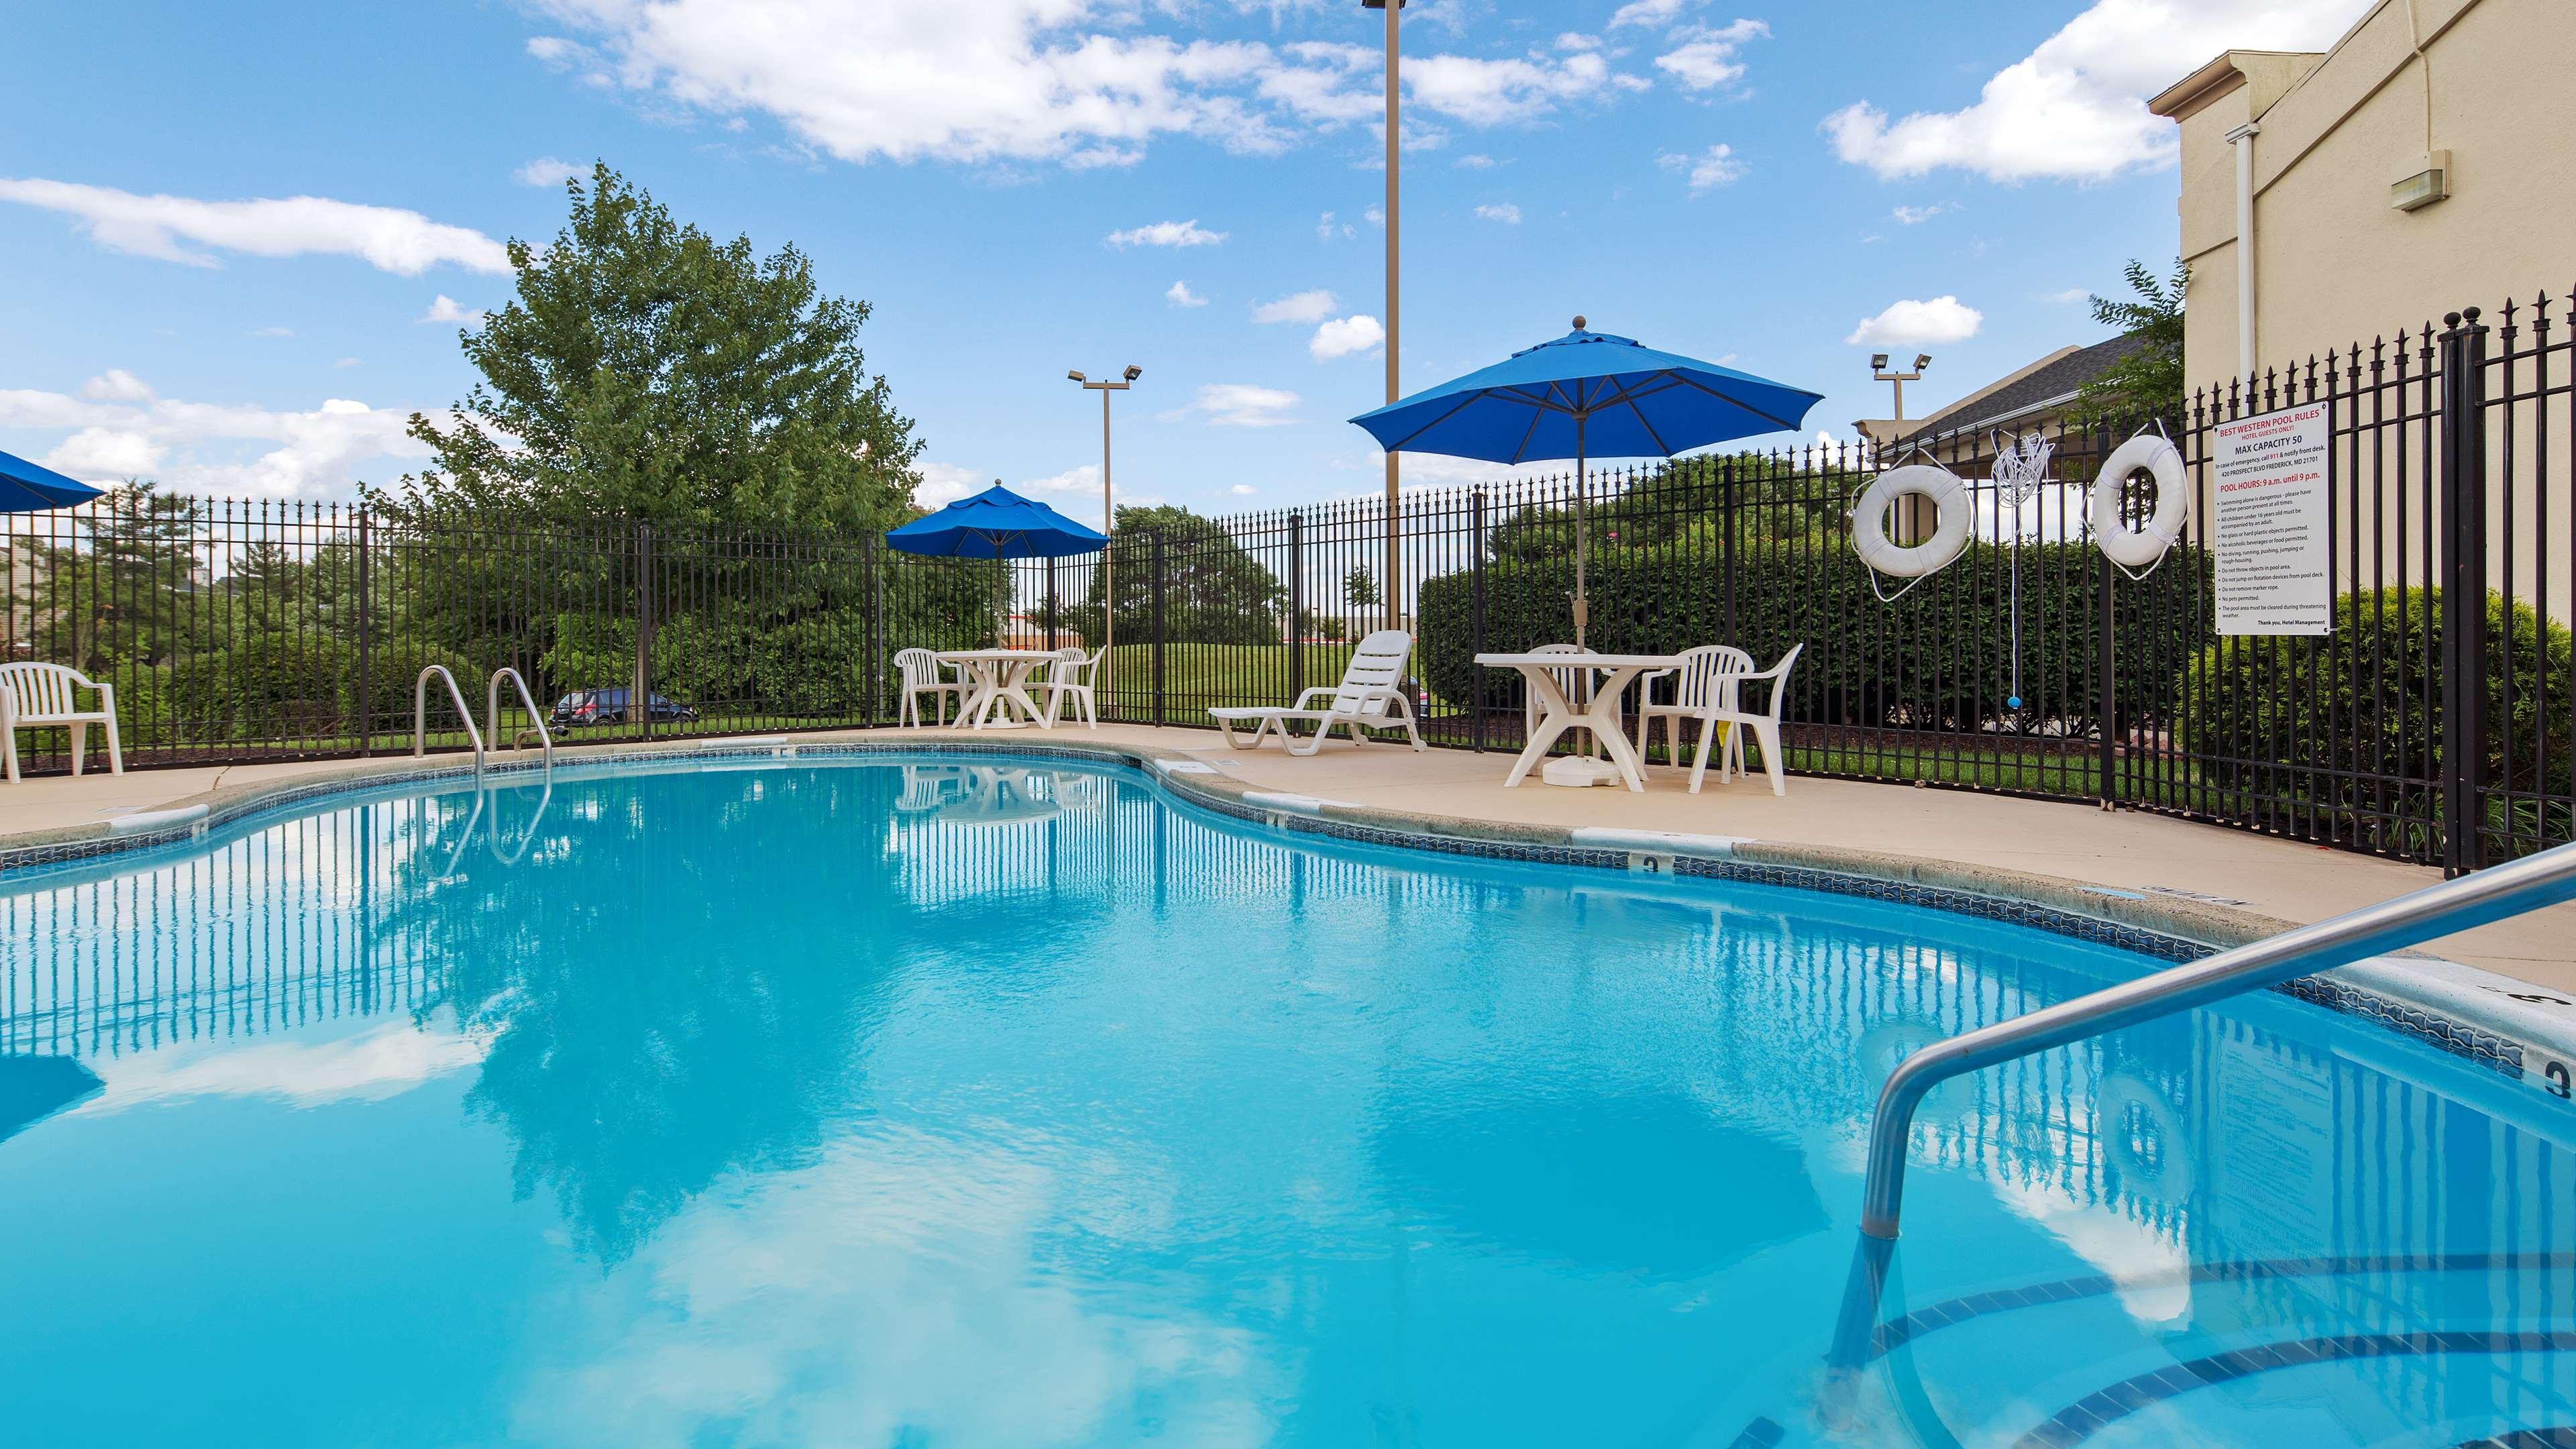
492	713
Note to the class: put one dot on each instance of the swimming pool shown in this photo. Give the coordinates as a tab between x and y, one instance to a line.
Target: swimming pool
932	1101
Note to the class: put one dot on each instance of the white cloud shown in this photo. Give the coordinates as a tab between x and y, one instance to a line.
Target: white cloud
403	242
903	1287
117	385
1301	308
1504	212
1181	296
346	362
1239	405
1649	12
1243	490
1374	216
447	309
274	332
1167	234
1704	59
1327	229
1917	215
2071	294
546	171
1079	83
944	483
123	429
1489	92
1716	166
2075	108
1345	335
1915	324
377	1063
1474	162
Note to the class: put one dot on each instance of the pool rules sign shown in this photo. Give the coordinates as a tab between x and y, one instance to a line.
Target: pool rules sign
2271	531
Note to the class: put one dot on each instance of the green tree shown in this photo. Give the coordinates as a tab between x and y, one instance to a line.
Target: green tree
2147	383
647	371
1213	592
1359	589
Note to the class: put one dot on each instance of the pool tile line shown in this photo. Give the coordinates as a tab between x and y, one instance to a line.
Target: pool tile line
2561	1436
1209	791
1898	1332
2080	1420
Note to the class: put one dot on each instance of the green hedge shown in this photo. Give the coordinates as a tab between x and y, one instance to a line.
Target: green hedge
1936	658
281	685
2298	719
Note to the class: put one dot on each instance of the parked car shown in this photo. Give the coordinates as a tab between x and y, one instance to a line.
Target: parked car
608	706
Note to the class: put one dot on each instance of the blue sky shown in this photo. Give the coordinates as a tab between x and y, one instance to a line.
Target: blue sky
240	240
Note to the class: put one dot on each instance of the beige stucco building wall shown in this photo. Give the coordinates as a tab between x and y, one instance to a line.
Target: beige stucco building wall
2335	263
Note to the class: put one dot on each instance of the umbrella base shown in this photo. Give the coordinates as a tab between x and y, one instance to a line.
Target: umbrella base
1577	771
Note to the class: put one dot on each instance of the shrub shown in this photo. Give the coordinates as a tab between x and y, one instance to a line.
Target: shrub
1934	658
2324	721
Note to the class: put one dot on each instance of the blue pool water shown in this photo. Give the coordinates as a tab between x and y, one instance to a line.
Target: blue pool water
935	1103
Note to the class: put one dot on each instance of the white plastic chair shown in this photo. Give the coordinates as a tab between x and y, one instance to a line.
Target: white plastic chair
1764	726
40	696
1366	699
920	670
1070	677
1703	683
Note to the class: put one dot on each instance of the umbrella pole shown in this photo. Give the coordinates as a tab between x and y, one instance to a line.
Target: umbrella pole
1582	601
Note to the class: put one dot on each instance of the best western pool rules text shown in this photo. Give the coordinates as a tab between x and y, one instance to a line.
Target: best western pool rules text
2274	542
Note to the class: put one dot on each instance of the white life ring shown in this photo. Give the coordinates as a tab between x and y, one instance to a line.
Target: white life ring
1949	535
2140	547
2168	1180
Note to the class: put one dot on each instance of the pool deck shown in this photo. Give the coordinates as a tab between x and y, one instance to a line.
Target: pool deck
2218	875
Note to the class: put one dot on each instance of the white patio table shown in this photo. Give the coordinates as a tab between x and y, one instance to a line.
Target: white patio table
1000	679
1599	713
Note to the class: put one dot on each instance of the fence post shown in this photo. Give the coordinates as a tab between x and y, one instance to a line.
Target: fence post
1296	602
366	637
2464	591
639	706
872	566
1476	615
2105	788
1726	545
1159	579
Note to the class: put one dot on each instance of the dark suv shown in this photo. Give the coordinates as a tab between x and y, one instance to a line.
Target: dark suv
608	706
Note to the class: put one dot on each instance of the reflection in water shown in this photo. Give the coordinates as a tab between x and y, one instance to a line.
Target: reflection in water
1002	1104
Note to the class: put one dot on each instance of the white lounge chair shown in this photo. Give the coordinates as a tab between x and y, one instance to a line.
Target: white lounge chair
1070	678
1703	686
1765	726
40	696
1366	699
920	671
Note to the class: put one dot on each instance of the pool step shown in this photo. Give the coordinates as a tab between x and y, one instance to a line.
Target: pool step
2285	1351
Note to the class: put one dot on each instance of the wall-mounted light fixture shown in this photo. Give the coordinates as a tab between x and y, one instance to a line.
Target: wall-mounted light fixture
2429	181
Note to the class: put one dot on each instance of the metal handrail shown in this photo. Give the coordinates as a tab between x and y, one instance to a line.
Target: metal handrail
2545	879
420	715
492	712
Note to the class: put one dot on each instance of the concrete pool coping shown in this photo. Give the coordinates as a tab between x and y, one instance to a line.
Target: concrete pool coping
2519	1026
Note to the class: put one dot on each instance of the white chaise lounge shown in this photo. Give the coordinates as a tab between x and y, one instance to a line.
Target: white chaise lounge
1367	699
40	696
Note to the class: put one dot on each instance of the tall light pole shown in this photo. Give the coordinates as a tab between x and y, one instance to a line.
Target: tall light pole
1108	527
1394	504
1878	373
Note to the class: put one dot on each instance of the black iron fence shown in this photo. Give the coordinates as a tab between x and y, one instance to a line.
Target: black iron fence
2032	665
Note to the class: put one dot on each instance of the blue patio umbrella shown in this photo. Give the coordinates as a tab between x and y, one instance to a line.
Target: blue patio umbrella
996	523
1584	393
29	488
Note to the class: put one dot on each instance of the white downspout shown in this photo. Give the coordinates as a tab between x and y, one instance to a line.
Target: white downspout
2242	138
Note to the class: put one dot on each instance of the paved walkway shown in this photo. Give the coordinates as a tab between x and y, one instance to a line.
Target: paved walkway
2123	850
